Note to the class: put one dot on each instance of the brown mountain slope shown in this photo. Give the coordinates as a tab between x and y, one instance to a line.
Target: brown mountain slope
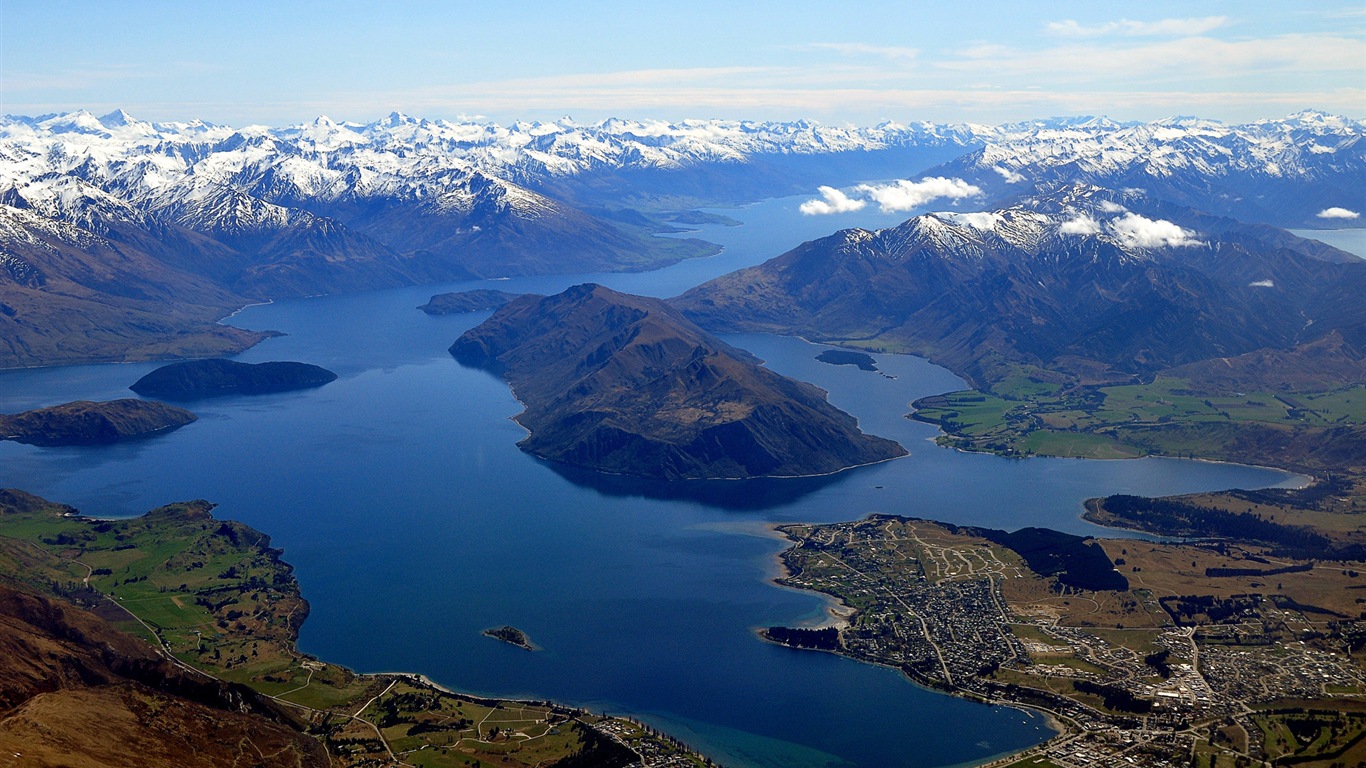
76	692
626	384
68	295
1325	363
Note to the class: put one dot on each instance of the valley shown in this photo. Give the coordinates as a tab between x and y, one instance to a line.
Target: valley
682	385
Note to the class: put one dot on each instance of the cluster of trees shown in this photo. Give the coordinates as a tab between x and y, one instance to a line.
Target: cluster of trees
1114	697
1217	610
1258	571
597	750
1310	496
1158	661
827	639
1075	561
1172	517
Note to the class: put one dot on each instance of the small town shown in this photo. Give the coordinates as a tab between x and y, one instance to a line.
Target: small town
965	615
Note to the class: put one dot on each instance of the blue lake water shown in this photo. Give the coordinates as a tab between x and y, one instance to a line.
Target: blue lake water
414	523
1350	240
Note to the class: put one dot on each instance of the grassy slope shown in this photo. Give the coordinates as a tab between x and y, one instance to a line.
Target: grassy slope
1022	417
1317	433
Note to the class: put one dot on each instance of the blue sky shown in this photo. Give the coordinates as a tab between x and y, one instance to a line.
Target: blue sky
251	62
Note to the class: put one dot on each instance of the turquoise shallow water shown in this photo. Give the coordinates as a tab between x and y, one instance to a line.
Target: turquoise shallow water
414	523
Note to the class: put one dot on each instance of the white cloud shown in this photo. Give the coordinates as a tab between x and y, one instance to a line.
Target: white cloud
905	195
834	201
1162	27
984	220
1010	176
1337	213
1082	225
1262	284
1187	60
1136	231
1110	206
900	195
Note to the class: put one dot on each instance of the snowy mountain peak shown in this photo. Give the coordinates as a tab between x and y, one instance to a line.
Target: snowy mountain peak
117	119
79	122
1065	219
396	119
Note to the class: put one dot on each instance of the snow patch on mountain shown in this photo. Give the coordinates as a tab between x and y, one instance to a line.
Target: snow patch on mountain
1305	145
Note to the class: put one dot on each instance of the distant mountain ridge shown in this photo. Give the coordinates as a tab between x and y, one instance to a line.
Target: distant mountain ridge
1284	172
122	239
327	165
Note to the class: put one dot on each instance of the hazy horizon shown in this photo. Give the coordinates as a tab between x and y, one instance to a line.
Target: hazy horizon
986	62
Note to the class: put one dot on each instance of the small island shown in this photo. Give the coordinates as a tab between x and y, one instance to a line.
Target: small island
84	422
195	379
478	300
511	636
848	357
627	385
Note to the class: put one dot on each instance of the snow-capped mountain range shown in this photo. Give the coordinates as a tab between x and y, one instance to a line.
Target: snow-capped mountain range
434	160
326	206
83	169
1283	172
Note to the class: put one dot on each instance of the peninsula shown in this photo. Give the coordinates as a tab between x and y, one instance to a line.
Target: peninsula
1212	654
84	422
625	384
195	379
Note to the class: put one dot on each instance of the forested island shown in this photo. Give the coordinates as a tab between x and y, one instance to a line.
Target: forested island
195	379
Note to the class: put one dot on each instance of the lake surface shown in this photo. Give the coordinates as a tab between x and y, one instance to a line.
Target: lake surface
414	523
1350	240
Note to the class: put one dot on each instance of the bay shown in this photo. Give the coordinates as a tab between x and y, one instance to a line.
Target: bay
414	522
